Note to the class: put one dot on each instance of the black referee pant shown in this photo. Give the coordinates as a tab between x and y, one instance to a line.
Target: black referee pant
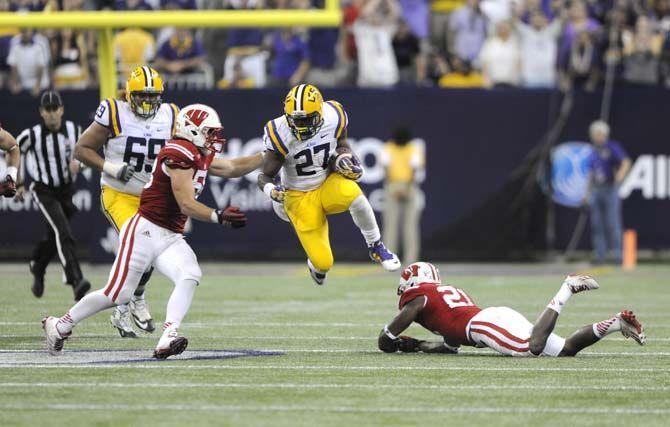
57	209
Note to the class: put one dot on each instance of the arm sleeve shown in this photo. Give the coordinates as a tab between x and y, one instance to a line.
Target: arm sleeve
24	141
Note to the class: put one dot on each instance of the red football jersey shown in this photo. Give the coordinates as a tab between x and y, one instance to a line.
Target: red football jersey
446	312
157	202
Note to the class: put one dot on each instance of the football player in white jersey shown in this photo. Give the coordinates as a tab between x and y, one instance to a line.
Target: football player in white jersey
132	133
318	177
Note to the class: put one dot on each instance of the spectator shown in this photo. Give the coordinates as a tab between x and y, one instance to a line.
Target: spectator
132	5
133	47
582	67
324	45
608	166
500	58
239	81
416	14
29	61
440	13
641	53
181	54
245	45
374	31
404	162
291	57
578	22
539	48
461	75
406	49
70	59
467	31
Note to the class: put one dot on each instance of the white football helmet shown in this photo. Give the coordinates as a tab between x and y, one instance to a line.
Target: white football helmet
418	273
200	124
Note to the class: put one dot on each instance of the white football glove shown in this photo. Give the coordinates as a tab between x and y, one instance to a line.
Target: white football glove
347	165
121	171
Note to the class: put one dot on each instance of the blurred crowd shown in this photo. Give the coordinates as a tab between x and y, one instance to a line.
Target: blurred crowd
381	43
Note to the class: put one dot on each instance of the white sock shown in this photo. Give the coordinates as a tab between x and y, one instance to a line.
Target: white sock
91	304
606	327
560	299
179	302
364	218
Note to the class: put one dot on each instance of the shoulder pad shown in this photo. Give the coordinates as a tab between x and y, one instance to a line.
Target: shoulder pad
342	118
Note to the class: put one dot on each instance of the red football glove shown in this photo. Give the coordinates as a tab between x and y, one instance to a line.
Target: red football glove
232	216
8	187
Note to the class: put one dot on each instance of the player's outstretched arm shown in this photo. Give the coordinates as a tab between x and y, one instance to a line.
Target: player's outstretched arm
184	193
234	168
389	340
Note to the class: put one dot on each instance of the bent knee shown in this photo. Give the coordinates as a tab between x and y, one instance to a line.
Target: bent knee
193	272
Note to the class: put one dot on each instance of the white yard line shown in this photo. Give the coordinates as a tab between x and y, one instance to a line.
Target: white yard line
172	366
336	409
453	388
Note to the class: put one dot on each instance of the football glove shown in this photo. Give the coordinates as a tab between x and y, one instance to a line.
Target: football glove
348	165
8	187
408	344
232	217
276	192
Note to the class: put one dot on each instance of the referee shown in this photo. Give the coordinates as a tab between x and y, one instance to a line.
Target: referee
48	147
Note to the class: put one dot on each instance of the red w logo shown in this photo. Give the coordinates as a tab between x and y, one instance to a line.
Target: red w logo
412	270
197	116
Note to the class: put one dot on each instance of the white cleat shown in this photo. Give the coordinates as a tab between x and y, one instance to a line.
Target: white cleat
579	284
380	254
54	338
121	321
170	344
318	277
141	316
630	327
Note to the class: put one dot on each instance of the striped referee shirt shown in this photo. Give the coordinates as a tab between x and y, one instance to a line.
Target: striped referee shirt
48	154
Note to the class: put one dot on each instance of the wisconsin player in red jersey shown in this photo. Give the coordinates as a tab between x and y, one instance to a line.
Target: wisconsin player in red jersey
448	311
154	234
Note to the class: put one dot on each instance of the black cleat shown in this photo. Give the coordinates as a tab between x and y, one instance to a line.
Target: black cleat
80	289
38	282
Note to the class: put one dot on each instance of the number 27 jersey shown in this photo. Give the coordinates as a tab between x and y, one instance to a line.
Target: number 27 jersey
447	311
133	140
306	162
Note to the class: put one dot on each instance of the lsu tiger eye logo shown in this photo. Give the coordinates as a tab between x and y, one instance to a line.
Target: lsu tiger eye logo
312	94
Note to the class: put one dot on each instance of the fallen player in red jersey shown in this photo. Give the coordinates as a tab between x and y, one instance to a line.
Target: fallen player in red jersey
448	311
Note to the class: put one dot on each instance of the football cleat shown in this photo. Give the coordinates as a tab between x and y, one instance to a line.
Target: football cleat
38	281
54	338
319	278
170	344
121	321
630	327
141	316
388	260
80	289
579	284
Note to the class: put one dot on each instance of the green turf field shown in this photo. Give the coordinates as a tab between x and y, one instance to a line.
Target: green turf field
329	372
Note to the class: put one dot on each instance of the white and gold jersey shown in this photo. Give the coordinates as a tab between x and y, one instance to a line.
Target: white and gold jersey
134	140
306	162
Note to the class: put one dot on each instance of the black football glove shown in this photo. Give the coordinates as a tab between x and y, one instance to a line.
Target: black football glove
231	216
408	344
8	187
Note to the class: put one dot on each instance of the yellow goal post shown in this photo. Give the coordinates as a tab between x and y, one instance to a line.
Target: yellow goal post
106	21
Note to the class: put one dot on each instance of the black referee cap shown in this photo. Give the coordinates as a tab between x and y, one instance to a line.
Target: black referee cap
51	99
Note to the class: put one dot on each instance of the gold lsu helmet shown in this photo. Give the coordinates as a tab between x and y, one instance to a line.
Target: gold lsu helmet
144	88
303	107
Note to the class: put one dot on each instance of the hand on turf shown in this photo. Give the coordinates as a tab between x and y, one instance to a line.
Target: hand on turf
232	216
348	166
408	344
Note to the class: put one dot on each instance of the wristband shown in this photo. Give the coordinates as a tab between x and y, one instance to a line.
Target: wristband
267	189
12	172
111	168
214	217
389	334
